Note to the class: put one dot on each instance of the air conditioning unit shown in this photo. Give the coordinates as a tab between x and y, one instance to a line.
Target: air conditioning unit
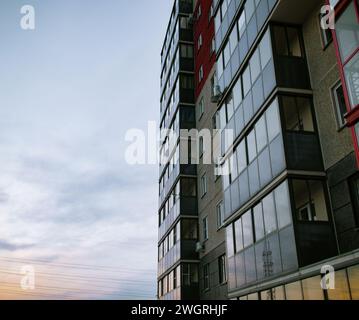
199	247
217	94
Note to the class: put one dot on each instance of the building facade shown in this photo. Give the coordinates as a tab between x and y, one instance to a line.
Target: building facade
285	210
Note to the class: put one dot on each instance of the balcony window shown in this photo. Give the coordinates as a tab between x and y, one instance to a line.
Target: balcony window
238	235
189	274
287	41
270	223
341	290
282	203
249	9
230	241
189	229
233	40
293	291
220	215
188	187
258	222
205	228
353	276
312	289
309	198
298	114
247	229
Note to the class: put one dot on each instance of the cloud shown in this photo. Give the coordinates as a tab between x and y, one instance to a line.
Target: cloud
7	246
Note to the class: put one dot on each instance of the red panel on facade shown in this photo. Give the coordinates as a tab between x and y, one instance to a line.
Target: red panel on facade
203	56
353	113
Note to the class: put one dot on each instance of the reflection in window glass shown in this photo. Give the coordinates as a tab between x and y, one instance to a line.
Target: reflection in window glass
242	24
312	289
298	114
272	258
247	229
237	93
229	240
238	235
241	156
353	274
246	80
261	134
288	249
294	43
341	291
264	167
282	203
249	8
265	49
249	259
258	222
255	66
233	39
273	122
293	291
253	177
240	270
270	223
278	293
251	144
253	296
309	200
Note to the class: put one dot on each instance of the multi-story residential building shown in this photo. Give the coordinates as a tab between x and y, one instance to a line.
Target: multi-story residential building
211	247
288	211
178	210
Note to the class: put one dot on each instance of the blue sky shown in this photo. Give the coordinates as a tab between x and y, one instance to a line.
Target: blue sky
69	90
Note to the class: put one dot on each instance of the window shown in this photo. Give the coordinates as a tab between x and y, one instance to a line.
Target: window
200	74
341	290
189	274
251	144
206	277
265	49
230	241
353	275
298	114
282	204
199	42
255	66
287	41
205	228
220	215
186	51
238	234
233	40
326	33
258	222
273	122
312	289
222	269
247	229
310	200
201	108
270	223
203	185
293	291
189	229
339	104
199	12
347	32
188	187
